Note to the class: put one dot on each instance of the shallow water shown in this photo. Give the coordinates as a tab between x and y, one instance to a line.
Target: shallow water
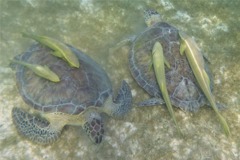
94	26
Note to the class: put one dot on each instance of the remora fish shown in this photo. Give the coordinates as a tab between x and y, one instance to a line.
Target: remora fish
60	49
158	61
196	62
42	71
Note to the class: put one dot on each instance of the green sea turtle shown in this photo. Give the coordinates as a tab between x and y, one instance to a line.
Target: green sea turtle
77	99
180	81
181	84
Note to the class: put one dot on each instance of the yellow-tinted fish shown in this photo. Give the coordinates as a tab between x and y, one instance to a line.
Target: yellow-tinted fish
159	60
196	62
60	49
42	71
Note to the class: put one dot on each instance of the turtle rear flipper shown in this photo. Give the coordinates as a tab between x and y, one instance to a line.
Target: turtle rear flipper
121	105
220	106
33	127
151	102
123	100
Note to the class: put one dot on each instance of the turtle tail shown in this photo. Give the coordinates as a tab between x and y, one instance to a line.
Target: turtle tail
33	127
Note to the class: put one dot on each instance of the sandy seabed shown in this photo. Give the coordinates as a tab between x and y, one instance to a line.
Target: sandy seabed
146	133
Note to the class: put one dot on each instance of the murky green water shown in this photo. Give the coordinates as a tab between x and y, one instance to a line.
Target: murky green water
146	133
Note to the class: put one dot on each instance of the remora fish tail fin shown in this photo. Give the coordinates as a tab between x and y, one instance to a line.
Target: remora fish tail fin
32	36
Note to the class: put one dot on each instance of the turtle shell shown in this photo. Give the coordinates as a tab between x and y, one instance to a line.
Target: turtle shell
181	84
78	88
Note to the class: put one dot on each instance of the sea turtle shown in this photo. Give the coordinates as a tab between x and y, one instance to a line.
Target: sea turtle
181	84
78	99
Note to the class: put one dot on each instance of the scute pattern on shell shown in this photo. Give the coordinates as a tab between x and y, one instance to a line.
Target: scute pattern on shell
78	87
181	83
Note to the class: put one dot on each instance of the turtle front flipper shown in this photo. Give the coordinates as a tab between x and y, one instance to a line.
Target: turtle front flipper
93	126
33	127
122	43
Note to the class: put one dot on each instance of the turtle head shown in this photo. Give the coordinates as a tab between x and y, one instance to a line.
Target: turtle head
118	107
122	104
94	126
151	17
